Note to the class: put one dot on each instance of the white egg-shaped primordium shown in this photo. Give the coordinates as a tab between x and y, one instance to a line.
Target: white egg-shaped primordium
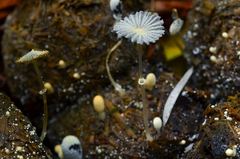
71	147
150	81
114	4
176	26
229	152
98	103
157	123
49	87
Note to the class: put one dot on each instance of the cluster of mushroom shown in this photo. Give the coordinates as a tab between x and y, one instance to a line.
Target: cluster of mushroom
143	27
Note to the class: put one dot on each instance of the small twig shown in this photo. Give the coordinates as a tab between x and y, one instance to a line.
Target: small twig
235	135
120	120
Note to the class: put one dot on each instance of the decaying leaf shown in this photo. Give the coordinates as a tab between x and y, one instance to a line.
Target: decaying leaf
174	95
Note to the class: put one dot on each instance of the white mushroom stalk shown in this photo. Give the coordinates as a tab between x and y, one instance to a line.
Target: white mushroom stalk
117	86
31	56
143	27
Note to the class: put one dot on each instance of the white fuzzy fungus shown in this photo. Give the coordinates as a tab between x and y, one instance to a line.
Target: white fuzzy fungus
117	7
143	27
71	147
114	4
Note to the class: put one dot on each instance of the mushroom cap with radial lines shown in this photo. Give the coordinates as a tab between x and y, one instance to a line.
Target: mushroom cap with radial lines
33	54
143	27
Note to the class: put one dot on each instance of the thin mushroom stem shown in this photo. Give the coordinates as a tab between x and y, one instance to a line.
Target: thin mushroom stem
38	74
43	93
45	121
141	82
117	86
140	61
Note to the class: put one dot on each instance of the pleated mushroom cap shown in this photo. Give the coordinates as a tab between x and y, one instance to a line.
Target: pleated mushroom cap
143	27
33	54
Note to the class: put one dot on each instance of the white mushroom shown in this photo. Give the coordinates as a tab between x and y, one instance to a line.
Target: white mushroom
98	104
117	7
31	56
71	147
157	123
225	35
230	153
176	26
49	87
150	81
61	64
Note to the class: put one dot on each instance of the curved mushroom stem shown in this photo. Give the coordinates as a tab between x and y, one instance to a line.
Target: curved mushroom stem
117	86
141	82
43	93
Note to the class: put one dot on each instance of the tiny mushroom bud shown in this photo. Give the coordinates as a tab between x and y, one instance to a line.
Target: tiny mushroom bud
150	81
213	49
213	59
238	53
176	26
183	142
76	76
71	147
19	148
7	113
58	150
7	151
229	152
157	123
61	64
49	87
98	103
225	35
